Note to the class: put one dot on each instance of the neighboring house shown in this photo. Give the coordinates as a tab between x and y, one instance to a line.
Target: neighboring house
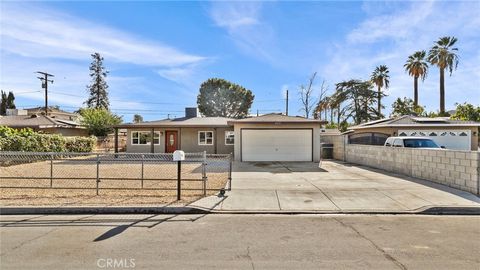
53	123
271	137
453	134
54	113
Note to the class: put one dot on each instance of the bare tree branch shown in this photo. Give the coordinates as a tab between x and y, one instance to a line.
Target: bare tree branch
306	96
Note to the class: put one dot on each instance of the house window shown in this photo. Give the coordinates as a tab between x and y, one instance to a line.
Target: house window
143	137
229	137
205	138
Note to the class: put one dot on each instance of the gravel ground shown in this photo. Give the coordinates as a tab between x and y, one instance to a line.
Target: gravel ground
75	182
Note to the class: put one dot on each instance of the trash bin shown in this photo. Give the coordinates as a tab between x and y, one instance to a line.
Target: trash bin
327	150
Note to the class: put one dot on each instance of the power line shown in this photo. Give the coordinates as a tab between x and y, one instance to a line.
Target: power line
27	92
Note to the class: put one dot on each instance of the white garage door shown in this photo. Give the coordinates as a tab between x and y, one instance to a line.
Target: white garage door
276	145
451	139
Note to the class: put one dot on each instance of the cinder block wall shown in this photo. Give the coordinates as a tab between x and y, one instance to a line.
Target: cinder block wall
458	169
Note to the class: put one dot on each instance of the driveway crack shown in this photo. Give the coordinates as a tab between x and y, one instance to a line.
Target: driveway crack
278	200
384	253
324	194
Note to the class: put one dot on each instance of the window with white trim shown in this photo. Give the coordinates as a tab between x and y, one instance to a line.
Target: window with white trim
143	137
205	138
229	137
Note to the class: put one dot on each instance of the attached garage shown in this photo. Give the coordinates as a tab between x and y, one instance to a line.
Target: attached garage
277	137
277	144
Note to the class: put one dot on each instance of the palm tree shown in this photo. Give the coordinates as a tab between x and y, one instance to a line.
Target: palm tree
417	67
443	55
380	78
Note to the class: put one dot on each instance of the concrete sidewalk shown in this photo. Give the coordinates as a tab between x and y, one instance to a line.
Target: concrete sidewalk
336	187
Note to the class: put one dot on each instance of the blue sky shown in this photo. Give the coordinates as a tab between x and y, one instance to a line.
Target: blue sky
158	53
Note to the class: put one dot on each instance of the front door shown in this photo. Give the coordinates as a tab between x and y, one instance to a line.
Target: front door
171	141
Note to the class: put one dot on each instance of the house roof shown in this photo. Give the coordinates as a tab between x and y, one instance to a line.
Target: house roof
414	121
181	122
36	121
277	118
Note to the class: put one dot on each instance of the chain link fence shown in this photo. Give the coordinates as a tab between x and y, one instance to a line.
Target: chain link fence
35	174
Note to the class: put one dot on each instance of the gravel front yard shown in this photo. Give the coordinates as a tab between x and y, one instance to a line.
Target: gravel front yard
74	182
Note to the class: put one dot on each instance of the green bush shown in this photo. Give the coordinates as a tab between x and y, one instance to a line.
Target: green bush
81	144
27	140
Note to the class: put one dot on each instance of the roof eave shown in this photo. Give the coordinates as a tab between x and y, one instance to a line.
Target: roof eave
416	125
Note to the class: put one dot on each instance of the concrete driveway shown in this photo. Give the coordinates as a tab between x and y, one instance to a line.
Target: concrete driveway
334	187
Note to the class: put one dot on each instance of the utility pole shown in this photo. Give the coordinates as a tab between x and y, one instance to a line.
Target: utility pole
286	104
45	82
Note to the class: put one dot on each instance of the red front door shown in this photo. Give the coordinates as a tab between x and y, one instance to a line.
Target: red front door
171	141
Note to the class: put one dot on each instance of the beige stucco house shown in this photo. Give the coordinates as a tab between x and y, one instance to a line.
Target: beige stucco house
453	134
271	137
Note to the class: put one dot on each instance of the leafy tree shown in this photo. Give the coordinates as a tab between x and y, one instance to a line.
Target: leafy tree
221	98
380	78
357	100
99	122
406	107
466	112
137	118
417	67
443	55
98	88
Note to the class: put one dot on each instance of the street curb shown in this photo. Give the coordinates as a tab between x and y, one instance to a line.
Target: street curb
99	210
184	210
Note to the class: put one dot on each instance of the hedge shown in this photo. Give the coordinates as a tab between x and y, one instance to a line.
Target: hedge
29	141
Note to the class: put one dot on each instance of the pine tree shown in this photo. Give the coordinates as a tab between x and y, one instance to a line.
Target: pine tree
3	103
98	98
10	101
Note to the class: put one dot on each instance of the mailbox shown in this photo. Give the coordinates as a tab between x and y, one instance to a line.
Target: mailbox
178	155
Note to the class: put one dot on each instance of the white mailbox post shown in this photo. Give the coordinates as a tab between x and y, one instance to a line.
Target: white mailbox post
178	156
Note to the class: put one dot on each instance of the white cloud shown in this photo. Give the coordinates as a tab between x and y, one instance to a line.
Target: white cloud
235	15
242	21
390	35
37	38
32	31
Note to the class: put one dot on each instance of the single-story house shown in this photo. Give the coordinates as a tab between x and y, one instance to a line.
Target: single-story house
53	124
271	137
453	134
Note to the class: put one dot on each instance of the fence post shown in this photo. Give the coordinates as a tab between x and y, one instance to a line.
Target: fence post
179	180
143	156
204	173
230	172
98	171
51	170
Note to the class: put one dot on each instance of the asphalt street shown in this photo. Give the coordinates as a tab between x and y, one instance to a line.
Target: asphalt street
240	242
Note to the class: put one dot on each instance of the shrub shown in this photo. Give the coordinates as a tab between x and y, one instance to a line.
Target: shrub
27	140
81	144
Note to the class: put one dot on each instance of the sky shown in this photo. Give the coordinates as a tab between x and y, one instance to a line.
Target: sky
158	53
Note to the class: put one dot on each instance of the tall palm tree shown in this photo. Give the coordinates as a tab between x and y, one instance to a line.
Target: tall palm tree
443	55
380	78
417	67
